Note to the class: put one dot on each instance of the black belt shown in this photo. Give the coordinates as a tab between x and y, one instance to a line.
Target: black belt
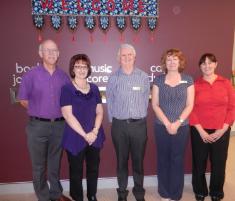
48	120
130	120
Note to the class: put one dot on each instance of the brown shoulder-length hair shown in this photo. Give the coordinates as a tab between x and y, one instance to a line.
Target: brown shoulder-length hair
210	56
76	58
174	52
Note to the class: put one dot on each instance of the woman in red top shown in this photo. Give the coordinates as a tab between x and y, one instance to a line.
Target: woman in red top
210	121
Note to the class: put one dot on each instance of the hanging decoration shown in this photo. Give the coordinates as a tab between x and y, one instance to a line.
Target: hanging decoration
104	23
121	23
38	21
121	10
56	22
90	23
152	23
72	22
143	8
136	25
135	22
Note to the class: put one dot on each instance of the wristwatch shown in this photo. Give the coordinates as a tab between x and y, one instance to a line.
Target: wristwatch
181	120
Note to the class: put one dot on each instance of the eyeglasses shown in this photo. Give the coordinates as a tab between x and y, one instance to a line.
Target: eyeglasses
80	67
50	51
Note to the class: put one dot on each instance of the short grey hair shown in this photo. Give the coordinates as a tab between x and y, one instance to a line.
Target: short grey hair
40	47
126	45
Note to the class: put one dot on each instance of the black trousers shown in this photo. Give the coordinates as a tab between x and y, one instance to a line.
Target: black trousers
129	138
92	157
217	153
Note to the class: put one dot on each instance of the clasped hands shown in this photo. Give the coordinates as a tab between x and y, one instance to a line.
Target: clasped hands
210	138
172	128
91	137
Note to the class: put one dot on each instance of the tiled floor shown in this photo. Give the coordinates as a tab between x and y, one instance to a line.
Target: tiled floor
151	192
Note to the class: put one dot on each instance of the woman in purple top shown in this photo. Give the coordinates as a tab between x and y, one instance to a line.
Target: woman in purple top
83	134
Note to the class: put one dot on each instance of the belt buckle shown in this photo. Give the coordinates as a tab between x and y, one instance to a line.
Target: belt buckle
128	121
53	120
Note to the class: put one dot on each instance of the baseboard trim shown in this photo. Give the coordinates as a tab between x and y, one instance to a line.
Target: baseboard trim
103	183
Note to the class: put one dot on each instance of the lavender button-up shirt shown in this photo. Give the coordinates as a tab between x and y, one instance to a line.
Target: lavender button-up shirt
42	91
128	95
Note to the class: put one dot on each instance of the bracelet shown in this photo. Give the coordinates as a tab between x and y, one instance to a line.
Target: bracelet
181	120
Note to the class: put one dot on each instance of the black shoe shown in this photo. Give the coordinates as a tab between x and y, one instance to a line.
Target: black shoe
199	197
92	198
122	194
213	198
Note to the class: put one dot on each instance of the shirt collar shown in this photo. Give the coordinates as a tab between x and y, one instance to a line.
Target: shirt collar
41	66
219	78
122	72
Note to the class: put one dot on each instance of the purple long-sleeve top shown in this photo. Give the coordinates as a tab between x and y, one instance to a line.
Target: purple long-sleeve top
84	109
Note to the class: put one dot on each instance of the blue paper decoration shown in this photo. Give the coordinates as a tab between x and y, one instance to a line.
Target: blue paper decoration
89	23
152	23
56	22
38	21
136	23
72	22
104	23
121	23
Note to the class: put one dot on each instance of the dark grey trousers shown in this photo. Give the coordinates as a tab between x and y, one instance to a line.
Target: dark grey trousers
130	139
44	144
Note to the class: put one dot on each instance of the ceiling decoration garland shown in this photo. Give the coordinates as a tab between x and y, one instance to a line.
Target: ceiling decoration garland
96	13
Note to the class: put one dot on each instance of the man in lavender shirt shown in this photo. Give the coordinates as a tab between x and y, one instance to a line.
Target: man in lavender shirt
127	101
39	93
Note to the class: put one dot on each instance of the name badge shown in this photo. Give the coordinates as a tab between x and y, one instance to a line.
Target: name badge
136	88
183	81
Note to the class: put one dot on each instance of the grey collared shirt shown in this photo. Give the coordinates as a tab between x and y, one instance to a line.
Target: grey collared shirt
128	95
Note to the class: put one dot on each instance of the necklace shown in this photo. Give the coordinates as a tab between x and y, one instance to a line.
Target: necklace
82	88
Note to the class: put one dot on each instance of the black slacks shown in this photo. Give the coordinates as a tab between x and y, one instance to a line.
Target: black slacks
217	153
92	157
129	138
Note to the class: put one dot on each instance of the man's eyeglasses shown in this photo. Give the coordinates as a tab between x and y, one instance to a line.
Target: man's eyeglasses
80	67
50	51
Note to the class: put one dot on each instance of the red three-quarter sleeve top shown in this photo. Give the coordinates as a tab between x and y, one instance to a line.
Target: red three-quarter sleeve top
214	103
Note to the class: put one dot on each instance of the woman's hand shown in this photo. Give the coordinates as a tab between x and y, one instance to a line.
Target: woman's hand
219	132
206	137
90	137
172	128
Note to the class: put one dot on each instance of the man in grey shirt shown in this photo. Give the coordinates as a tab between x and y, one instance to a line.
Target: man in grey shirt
127	100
